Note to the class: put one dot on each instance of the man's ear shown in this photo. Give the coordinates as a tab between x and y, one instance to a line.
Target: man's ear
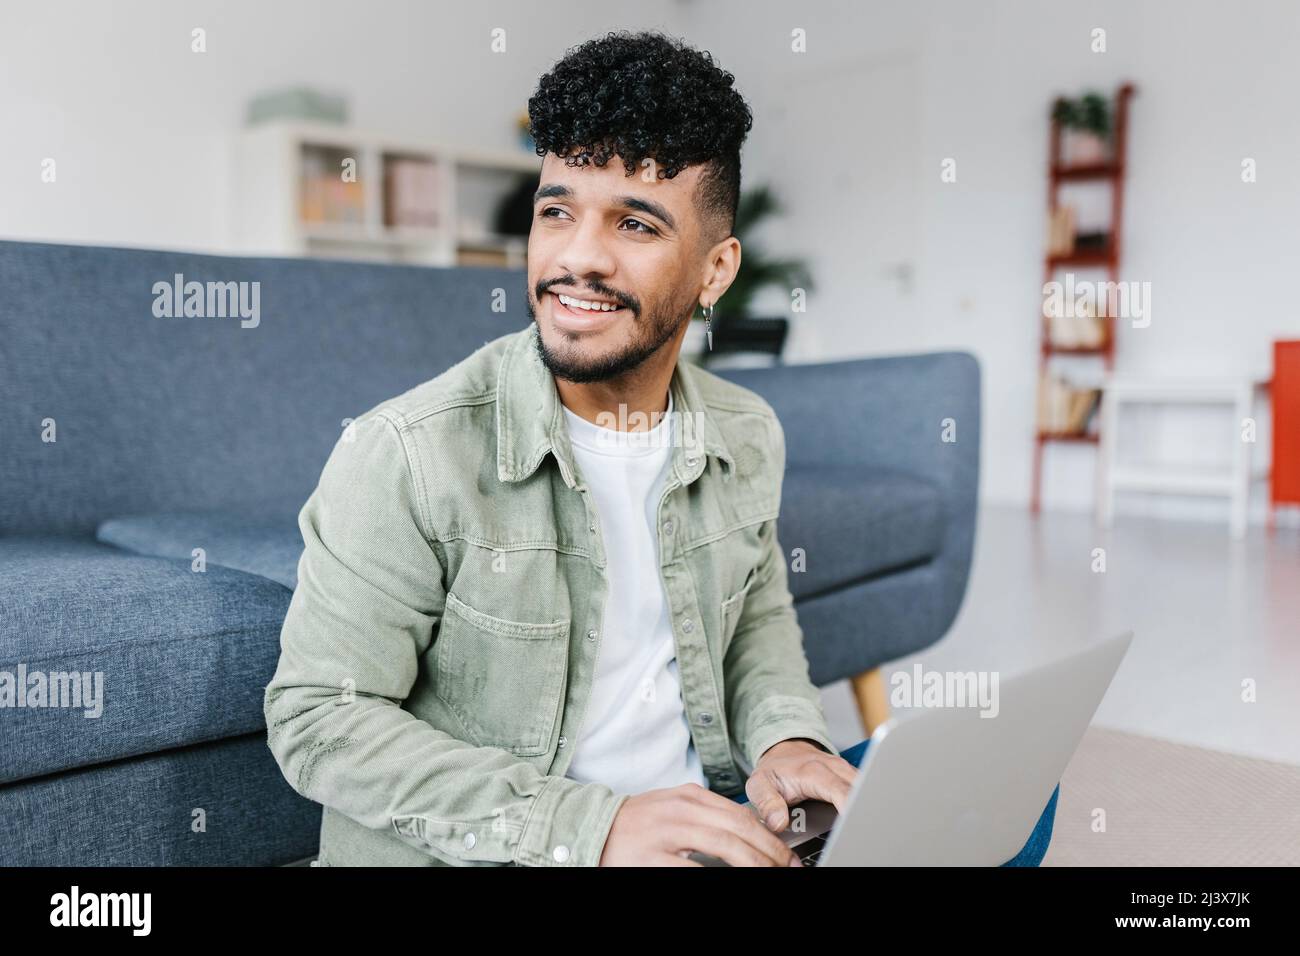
720	268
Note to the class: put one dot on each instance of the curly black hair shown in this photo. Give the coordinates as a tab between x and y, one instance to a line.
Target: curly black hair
647	95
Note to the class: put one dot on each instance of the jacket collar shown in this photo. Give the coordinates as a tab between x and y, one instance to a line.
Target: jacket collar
530	420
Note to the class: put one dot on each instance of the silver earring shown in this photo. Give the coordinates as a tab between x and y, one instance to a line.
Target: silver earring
708	324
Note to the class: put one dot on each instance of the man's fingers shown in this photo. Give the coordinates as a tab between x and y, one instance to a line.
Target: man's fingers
845	770
748	827
821	782
823	779
764	802
838	766
724	844
767	800
673	859
719	811
718	802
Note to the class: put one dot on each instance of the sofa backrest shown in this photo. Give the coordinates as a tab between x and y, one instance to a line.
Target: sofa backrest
154	413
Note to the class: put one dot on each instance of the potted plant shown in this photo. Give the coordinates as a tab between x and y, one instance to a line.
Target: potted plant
1086	128
757	269
524	130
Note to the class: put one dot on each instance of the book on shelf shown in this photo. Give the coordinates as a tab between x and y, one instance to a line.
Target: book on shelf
1073	320
326	197
1066	331
411	193
1064	409
1060	231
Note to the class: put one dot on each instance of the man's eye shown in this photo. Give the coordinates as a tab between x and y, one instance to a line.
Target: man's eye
641	228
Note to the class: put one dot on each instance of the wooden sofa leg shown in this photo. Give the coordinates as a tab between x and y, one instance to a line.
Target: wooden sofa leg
873	700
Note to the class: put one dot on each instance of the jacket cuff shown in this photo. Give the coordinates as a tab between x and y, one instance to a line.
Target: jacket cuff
778	719
568	824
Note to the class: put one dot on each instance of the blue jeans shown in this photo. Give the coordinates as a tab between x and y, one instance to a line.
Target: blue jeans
1030	855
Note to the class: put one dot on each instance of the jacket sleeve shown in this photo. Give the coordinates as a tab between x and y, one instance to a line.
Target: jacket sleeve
370	596
769	695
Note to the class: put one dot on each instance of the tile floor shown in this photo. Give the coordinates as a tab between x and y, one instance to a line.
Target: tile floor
1208	613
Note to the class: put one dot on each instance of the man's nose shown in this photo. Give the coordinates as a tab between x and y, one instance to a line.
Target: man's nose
587	253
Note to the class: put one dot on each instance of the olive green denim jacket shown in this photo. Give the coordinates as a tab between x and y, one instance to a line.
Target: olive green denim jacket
438	653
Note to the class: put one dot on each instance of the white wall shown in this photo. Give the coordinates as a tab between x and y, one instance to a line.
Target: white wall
1216	83
851	133
142	129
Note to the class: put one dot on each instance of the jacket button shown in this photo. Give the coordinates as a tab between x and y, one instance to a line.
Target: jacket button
688	625
470	840
560	854
591	635
705	719
669	526
690	461
564	741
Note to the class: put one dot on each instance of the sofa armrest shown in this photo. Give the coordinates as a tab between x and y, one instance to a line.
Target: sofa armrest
917	414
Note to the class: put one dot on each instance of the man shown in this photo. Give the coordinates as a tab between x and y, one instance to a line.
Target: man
522	636
542	614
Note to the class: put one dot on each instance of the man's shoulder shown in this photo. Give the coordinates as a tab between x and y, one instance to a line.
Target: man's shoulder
736	409
471	382
724	394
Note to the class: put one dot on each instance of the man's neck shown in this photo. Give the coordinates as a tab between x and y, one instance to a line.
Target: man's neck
617	401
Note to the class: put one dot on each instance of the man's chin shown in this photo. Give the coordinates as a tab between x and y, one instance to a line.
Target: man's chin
575	361
585	358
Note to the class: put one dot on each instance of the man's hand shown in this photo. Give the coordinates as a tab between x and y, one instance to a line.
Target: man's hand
662	827
795	770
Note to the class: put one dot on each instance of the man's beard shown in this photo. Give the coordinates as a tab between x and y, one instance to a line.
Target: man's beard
663	324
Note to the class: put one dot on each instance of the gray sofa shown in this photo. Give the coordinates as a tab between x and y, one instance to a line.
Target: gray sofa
139	450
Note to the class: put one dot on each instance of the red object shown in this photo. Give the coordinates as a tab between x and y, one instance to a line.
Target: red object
1285	483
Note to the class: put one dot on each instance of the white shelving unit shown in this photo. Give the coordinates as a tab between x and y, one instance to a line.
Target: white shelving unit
1231	482
269	219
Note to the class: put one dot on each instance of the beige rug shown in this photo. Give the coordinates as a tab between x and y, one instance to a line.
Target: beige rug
1169	804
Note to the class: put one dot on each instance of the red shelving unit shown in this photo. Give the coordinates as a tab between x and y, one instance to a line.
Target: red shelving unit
1110	171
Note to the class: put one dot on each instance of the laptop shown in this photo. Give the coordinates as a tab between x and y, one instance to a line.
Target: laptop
945	786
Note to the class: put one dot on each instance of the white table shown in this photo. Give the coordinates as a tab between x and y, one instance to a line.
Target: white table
1233	482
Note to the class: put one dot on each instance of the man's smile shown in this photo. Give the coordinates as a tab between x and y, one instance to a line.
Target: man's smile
577	314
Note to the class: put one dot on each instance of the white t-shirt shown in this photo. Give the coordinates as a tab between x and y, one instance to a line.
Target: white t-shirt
634	736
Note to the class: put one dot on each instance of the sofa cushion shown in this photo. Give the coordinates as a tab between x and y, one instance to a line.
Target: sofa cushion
256	545
184	656
242	417
856	523
137	812
853	524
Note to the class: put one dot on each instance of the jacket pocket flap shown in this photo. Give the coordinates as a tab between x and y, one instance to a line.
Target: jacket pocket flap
502	626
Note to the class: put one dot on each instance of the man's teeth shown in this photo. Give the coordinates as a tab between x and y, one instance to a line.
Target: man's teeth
589	306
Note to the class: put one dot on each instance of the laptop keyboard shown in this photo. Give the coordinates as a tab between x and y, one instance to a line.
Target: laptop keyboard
811	851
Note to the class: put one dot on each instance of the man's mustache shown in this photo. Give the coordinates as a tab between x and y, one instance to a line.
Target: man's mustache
627	301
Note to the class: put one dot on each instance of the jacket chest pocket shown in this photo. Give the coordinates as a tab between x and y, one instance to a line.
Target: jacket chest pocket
504	680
